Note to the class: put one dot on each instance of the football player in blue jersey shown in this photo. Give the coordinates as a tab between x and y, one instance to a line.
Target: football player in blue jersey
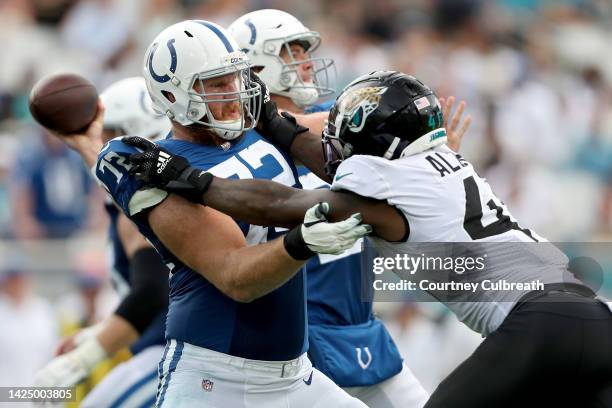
138	274
347	342
236	324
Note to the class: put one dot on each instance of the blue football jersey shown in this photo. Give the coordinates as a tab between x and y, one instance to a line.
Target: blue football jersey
60	185
320	107
272	327
153	335
342	327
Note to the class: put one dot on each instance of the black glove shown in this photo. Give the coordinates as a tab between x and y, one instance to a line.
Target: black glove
157	167
279	130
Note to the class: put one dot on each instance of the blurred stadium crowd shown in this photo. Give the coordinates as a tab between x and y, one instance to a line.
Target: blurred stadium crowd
537	76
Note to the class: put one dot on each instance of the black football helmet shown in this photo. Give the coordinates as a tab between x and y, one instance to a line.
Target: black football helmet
384	113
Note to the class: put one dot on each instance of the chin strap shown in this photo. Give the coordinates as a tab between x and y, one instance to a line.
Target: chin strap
303	97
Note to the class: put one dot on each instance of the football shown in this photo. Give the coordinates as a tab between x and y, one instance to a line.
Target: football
66	103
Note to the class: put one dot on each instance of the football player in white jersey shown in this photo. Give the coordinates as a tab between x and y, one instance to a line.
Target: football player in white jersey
385	147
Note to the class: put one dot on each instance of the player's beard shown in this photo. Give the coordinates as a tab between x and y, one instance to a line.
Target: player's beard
231	111
204	134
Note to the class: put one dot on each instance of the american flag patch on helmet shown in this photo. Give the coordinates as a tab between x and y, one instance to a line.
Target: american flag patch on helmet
422	103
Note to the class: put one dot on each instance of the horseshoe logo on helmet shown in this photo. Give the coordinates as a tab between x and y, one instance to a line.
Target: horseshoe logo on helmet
165	77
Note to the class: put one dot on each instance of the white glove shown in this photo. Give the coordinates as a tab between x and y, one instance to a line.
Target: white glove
72	342
317	235
331	237
73	367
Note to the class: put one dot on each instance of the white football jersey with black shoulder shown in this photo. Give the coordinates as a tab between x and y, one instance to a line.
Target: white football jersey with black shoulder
444	201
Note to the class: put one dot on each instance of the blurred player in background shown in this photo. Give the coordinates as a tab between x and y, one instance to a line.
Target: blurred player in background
28	324
51	191
346	342
138	275
236	325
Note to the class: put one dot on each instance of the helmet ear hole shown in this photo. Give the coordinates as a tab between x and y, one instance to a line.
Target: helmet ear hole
347	150
169	96
286	79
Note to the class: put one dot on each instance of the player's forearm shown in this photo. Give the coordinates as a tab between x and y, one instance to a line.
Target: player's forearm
116	334
267	203
307	149
212	245
255	271
315	122
247	273
85	146
89	154
261	202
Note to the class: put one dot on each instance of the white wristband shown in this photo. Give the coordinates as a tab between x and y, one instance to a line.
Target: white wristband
89	353
88	332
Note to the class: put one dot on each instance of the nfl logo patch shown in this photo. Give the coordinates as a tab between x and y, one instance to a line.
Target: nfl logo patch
207	385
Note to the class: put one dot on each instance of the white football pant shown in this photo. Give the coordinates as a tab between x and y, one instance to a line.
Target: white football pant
193	376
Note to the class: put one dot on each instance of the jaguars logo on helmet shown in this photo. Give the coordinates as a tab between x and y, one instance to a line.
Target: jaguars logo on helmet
385	113
359	104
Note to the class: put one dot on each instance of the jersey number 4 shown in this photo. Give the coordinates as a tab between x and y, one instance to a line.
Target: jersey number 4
472	222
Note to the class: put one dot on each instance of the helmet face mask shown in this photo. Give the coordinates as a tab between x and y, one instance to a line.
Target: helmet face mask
322	70
182	60
332	150
386	114
243	96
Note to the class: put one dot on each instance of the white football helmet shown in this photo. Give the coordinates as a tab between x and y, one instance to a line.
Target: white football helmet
129	110
188	53
263	34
